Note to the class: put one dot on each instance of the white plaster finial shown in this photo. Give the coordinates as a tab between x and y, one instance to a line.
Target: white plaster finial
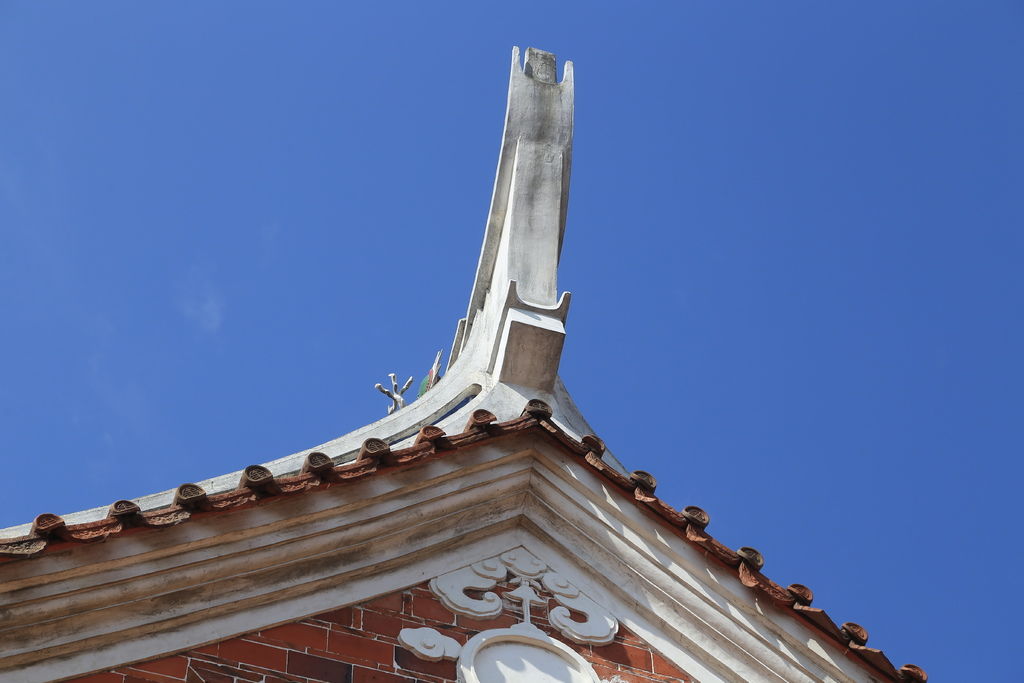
508	348
524	232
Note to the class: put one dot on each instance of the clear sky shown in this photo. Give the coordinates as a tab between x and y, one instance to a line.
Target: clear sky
794	245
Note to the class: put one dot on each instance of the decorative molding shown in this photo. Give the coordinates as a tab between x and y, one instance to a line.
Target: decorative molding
451	589
522	651
523	563
532	577
427	643
600	626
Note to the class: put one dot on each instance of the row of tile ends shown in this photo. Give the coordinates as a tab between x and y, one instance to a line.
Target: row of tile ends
319	471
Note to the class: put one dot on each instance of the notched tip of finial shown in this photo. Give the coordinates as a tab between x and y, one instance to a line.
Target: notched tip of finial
541	66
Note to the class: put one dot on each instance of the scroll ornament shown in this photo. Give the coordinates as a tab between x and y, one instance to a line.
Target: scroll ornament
536	585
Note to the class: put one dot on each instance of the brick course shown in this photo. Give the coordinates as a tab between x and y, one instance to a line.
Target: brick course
359	644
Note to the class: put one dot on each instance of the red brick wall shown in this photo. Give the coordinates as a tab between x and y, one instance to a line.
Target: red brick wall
359	645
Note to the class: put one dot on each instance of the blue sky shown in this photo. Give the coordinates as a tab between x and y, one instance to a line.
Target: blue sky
794	244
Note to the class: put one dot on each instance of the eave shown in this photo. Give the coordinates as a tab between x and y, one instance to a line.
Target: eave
274	543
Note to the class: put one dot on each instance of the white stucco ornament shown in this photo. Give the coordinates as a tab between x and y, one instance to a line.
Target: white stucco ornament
536	584
428	644
521	652
600	626
523	563
451	588
531	576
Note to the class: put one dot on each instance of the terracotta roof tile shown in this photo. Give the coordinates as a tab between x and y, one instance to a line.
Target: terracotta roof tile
191	497
319	471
